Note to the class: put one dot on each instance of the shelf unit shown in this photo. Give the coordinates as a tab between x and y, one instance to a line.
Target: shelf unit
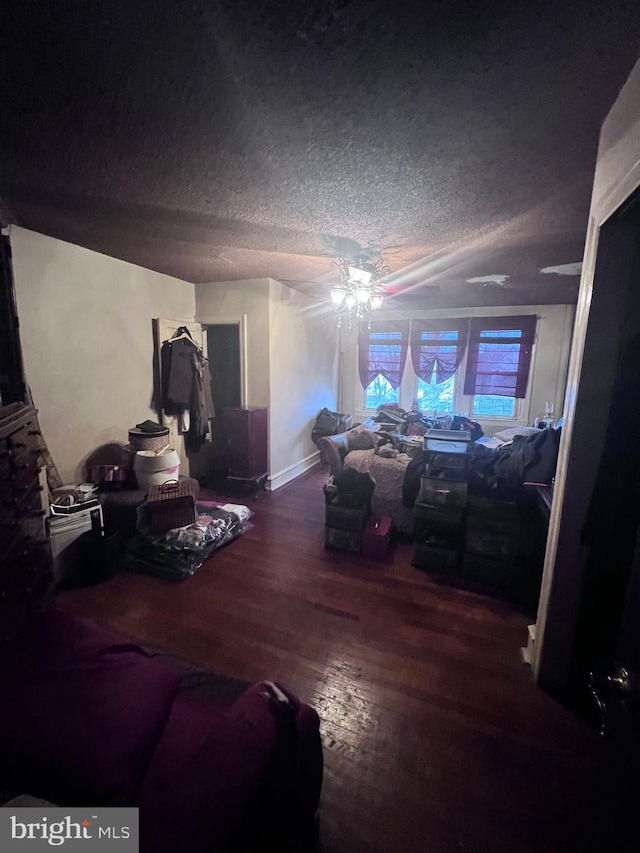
440	513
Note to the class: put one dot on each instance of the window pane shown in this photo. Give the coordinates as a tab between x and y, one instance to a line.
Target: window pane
385	336
494	406
498	358
434	397
427	337
502	333
379	391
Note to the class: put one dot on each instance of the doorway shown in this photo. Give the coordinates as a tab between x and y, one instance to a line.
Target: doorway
224	348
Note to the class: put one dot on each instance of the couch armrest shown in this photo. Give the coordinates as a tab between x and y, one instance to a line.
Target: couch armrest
219	775
333	449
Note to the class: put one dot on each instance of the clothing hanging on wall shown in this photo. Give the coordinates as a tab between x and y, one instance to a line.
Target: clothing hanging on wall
186	386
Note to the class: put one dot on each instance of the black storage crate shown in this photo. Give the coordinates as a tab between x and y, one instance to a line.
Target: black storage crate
441	524
447	466
343	540
489	509
486	569
345	511
435	558
345	518
442	494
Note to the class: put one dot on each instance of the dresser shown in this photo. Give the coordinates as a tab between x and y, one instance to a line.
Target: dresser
246	445
25	562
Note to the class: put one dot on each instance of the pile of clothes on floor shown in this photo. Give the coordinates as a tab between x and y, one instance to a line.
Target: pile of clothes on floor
177	553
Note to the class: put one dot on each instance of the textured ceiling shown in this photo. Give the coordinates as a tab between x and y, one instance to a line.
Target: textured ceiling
238	139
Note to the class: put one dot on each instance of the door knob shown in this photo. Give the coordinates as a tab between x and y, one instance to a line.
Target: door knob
610	691
619	683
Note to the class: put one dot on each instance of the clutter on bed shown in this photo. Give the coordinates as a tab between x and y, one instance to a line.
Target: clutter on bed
416	423
527	458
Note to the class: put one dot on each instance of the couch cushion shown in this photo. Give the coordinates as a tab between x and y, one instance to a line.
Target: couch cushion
216	772
81	712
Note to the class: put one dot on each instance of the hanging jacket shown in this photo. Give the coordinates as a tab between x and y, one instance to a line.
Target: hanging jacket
201	408
177	375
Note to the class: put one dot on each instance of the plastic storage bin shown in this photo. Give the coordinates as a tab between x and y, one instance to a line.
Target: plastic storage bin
447	440
442	494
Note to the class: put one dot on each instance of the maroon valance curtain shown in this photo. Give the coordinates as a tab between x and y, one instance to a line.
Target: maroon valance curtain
438	344
500	355
382	349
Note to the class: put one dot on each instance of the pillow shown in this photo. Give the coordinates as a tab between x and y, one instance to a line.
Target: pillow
360	438
507	435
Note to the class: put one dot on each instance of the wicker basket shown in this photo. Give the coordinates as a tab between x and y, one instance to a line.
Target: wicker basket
170	505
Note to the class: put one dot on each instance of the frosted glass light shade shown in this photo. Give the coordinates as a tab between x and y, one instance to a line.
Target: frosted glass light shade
358	276
362	295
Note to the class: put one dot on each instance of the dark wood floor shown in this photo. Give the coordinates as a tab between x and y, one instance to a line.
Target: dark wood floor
435	737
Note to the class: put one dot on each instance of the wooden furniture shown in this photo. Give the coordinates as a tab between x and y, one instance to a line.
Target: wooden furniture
246	446
25	560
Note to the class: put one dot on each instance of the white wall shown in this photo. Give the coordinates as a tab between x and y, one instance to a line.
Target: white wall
86	333
234	299
304	358
292	363
548	366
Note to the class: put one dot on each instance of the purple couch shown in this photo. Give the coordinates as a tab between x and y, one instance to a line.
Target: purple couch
213	764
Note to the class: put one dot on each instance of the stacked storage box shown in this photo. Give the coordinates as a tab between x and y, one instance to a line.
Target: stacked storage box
499	542
439	512
345	518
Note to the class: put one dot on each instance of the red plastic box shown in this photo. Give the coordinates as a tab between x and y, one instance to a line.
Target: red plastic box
376	537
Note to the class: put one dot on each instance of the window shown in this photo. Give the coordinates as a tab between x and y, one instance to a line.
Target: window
436	396
437	348
382	353
498	363
491	406
378	392
478	367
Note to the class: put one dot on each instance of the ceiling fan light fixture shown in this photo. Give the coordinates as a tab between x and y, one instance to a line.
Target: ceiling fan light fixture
357	275
360	292
362	295
338	295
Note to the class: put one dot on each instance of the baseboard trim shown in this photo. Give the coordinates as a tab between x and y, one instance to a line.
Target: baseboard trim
282	478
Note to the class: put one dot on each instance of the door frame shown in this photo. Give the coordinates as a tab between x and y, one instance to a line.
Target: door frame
239	320
606	277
